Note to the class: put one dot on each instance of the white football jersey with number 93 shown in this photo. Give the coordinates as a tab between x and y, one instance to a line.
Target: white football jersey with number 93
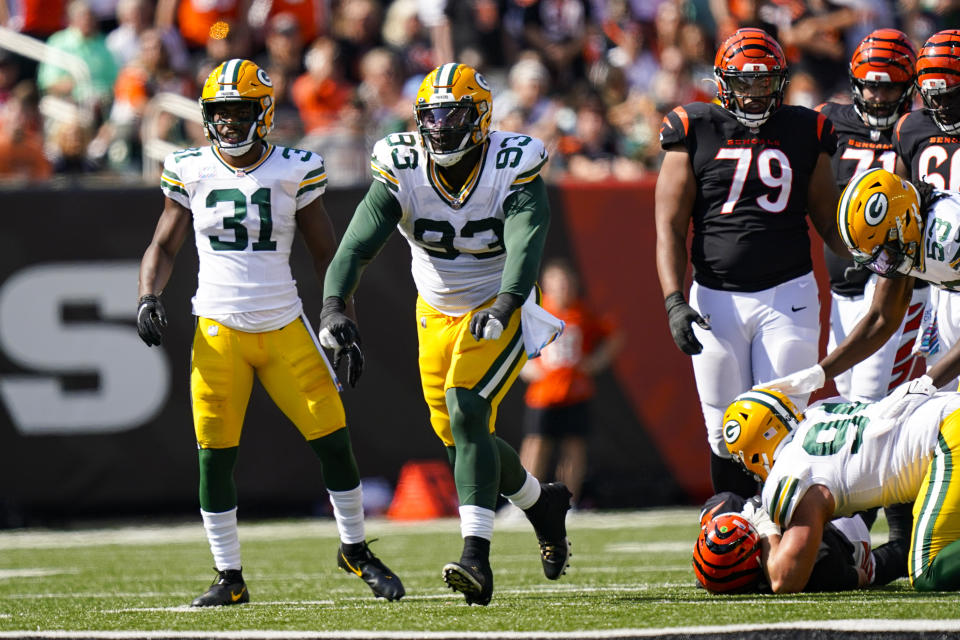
456	237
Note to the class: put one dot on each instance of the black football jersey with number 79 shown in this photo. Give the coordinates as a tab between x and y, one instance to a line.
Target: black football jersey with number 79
749	216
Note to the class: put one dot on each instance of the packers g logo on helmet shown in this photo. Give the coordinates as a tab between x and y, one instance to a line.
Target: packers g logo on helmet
453	111
879	220
238	81
731	431
757	425
876	209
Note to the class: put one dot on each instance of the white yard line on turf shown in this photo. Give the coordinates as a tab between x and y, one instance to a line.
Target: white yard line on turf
863	626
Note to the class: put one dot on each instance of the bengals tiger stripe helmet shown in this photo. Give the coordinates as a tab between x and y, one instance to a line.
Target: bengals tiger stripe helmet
726	557
884	61
938	77
751	73
238	81
453	111
757	425
879	220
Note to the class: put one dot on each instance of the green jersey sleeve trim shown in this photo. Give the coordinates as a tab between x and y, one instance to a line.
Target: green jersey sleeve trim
527	213
372	224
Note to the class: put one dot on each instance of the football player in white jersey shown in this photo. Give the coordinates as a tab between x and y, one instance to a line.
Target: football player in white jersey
902	232
844	457
245	198
474	210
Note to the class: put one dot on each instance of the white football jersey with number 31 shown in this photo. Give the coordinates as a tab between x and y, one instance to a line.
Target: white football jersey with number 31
244	222
456	237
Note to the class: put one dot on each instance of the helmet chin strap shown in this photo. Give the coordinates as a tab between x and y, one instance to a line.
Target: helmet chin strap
237	151
448	159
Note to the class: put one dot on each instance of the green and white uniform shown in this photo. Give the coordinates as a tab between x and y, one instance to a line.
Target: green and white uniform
868	461
244	222
466	247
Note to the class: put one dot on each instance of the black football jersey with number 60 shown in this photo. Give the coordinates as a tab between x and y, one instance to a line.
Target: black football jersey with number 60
928	152
749	216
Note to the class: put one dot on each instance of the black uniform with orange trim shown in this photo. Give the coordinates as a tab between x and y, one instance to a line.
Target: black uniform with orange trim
928	152
859	148
749	216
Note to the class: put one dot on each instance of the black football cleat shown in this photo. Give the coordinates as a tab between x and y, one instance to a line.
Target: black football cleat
548	517
472	578
360	561
227	588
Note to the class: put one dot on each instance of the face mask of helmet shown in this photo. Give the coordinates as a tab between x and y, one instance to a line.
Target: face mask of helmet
888	259
753	97
232	125
447	131
880	104
944	106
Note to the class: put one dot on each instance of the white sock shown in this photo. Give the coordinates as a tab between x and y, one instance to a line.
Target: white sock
476	521
348	512
222	535
528	494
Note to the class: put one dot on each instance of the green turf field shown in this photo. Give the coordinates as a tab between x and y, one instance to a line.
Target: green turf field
629	571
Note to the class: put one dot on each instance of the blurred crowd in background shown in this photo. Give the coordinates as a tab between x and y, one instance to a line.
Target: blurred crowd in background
592	78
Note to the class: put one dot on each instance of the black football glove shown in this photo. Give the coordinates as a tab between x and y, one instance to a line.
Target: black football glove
354	358
489	323
339	333
681	316
151	320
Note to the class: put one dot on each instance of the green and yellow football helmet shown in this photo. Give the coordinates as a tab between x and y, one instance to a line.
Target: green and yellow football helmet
879	220
453	110
757	425
237	82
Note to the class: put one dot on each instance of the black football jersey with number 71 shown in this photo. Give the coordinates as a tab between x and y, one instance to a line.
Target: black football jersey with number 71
859	147
749	216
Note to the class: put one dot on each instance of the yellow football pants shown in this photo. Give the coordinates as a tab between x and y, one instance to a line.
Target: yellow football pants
289	365
936	512
451	358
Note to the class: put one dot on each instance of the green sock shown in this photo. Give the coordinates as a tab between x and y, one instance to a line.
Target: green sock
512	473
477	469
339	467
218	490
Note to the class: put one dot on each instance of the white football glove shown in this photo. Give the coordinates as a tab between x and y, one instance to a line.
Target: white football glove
907	397
804	381
760	519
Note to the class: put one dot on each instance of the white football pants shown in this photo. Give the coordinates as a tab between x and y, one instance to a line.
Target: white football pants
892	363
948	326
754	337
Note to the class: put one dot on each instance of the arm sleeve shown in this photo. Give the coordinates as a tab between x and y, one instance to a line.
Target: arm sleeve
527	213
374	220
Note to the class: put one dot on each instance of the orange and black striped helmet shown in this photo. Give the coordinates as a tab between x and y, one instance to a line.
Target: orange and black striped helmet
938	78
726	558
885	58
751	73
